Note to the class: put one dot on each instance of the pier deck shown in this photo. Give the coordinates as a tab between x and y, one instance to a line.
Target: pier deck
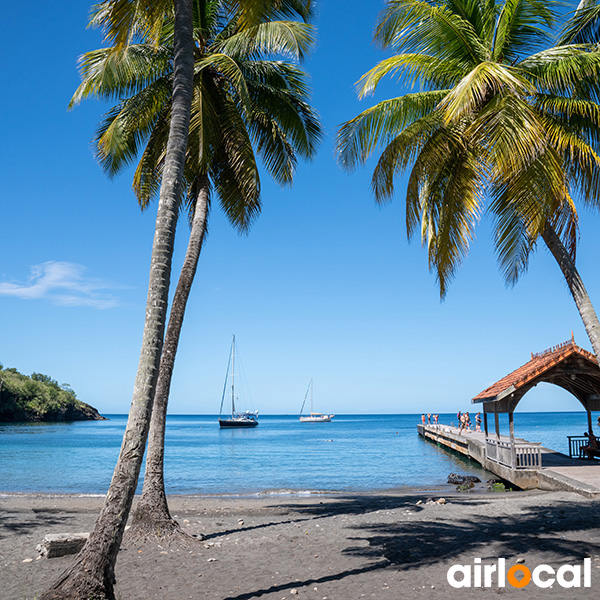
557	471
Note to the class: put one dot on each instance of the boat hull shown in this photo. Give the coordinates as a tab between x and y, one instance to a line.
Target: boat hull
319	419
237	423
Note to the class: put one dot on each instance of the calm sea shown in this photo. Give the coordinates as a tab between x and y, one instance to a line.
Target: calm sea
282	455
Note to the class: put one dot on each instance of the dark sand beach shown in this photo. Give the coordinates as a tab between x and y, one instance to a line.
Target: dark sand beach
340	547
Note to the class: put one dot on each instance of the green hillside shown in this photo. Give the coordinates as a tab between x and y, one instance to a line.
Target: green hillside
40	398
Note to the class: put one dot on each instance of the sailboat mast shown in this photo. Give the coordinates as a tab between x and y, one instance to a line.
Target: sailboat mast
311	396
233	376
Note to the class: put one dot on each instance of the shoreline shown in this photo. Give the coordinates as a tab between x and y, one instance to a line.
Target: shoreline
372	545
447	488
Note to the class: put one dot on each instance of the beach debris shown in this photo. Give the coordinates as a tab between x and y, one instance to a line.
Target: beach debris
293	591
211	560
520	561
419	502
240	522
27	560
441	500
61	544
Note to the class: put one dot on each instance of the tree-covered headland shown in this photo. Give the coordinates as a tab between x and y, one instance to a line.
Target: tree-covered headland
40	398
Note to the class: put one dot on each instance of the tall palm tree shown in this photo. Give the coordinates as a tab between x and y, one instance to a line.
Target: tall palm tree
502	117
244	96
92	574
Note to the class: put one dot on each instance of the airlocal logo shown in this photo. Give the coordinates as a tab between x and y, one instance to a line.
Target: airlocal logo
519	576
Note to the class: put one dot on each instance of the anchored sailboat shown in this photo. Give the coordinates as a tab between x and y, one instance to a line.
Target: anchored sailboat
313	417
237	419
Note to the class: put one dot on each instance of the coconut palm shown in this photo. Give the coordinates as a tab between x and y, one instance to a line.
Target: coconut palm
503	122
242	97
92	575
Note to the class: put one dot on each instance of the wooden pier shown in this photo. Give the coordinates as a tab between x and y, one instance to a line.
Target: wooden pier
525	464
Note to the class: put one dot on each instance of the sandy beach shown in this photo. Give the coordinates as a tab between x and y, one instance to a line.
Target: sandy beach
340	547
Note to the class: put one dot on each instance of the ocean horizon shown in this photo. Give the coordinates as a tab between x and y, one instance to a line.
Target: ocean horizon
353	453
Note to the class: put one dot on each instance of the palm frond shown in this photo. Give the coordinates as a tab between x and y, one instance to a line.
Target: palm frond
584	26
125	21
481	84
432	72
445	195
429	28
284	38
358	138
111	74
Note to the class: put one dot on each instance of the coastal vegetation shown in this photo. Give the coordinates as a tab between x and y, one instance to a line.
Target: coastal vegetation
38	397
505	123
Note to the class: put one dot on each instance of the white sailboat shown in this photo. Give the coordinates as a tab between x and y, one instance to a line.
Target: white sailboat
236	419
313	417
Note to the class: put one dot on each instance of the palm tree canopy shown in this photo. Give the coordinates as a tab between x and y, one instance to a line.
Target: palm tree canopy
127	21
245	98
503	120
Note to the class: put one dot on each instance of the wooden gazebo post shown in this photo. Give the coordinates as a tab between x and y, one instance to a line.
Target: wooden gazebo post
497	426
513	453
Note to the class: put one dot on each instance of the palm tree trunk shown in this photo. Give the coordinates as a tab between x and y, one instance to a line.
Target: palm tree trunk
92	575
151	517
576	287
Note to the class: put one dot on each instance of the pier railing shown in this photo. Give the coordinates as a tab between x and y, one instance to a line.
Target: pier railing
524	456
576	443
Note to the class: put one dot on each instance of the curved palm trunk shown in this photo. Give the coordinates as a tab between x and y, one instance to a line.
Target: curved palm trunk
92	575
576	287
151	517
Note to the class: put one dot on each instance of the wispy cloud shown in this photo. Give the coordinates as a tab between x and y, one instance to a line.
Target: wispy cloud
64	284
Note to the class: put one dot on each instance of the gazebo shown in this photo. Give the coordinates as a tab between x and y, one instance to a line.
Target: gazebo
566	365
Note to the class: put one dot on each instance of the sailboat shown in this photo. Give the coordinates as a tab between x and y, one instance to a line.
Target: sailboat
237	419
313	417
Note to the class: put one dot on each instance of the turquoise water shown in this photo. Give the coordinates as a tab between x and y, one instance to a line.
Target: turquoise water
352	453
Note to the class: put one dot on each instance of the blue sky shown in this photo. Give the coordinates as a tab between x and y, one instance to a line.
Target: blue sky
324	286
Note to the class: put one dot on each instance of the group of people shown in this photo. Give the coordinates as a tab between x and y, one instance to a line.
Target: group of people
429	419
464	422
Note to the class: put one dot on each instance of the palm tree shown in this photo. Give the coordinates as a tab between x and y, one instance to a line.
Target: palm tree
501	117
259	101
92	574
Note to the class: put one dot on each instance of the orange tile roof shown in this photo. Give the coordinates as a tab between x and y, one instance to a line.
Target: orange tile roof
539	363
